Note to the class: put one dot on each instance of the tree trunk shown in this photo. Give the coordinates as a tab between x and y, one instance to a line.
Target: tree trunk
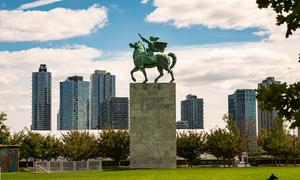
279	160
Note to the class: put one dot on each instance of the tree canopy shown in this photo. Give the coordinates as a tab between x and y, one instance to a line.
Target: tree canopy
227	143
114	144
287	13
51	148
79	146
4	131
190	145
277	141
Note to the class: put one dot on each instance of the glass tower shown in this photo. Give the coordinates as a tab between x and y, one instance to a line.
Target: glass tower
74	104
41	99
242	110
192	111
102	88
265	118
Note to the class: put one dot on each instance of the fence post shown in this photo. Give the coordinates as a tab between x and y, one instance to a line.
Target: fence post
74	165
87	165
34	166
61	166
48	165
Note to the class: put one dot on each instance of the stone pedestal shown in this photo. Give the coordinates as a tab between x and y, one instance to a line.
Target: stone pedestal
152	125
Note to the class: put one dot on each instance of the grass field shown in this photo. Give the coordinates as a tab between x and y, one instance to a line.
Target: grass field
288	173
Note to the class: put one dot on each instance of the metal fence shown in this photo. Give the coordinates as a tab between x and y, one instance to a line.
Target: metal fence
61	166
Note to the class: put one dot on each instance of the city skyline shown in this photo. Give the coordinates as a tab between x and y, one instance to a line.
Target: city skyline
216	54
114	92
237	104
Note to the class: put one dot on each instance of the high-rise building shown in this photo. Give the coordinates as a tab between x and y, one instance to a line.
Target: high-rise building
265	118
192	111
102	88
115	113
242	110
74	104
41	99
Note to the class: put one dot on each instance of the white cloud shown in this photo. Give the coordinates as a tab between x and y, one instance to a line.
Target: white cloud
261	33
144	1
37	4
229	14
58	23
211	72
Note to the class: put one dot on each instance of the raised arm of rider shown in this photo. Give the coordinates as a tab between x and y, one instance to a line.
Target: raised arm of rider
144	39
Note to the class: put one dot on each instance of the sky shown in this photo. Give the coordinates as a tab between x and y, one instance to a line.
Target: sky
220	45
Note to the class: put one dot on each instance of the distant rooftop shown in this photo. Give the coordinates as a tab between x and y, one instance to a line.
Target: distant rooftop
100	72
190	96
75	78
43	68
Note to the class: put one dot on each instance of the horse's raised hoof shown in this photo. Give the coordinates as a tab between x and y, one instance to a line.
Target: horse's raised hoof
134	80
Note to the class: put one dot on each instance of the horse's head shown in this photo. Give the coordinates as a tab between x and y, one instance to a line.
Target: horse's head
137	45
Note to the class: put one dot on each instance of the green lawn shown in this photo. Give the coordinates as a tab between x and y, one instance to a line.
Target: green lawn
288	173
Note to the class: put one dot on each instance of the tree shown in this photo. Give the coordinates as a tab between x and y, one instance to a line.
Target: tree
31	146
287	13
227	143
114	144
190	146
17	138
4	131
284	98
276	142
77	146
36	146
241	141
220	145
51	148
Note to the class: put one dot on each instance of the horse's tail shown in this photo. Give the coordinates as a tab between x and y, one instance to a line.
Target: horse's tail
174	58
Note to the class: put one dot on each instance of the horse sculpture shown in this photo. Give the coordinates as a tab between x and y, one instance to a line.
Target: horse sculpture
142	60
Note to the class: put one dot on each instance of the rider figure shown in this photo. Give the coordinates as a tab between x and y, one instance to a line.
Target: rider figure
150	50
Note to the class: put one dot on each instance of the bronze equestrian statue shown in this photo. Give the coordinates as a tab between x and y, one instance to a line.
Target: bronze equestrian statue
147	58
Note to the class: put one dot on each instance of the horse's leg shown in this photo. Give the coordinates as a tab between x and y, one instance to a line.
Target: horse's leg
132	71
145	75
160	70
171	72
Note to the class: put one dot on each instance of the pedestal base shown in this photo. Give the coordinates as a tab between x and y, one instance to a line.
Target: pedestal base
152	125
